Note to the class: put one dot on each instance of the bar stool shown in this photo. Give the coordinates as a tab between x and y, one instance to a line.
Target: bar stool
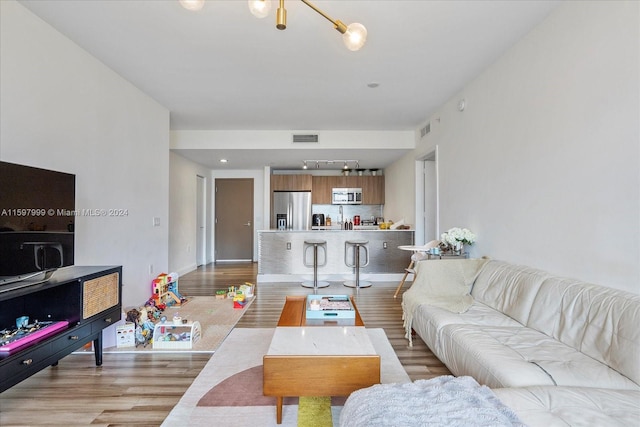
315	244
356	245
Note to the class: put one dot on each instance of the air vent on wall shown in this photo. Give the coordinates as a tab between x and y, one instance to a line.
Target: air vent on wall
425	130
305	139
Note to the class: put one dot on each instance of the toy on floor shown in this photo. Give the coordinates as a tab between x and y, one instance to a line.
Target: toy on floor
144	326
239	301
164	289
247	289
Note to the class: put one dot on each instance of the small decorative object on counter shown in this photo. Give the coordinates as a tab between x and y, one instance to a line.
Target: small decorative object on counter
328	221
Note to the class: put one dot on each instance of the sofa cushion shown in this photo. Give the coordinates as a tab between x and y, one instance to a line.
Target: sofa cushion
441	283
513	357
572	406
597	321
428	321
508	288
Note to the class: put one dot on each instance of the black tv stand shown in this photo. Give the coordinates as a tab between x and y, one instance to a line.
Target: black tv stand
89	298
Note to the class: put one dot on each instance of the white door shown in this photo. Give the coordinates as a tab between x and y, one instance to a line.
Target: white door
201	214
427	199
430	201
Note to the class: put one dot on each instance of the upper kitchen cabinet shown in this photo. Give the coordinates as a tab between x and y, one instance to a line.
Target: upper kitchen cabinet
372	189
321	193
291	183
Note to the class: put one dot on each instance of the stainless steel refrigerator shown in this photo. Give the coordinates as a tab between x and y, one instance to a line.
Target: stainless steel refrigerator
291	210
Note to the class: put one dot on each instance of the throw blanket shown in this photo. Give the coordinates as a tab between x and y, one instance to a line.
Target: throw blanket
442	401
441	283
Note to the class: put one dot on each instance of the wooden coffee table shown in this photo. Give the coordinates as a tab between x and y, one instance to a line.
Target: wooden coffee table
302	360
294	313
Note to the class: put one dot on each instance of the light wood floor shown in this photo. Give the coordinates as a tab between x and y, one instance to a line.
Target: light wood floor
141	389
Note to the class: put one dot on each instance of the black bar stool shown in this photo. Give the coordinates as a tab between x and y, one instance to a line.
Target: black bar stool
356	245
315	244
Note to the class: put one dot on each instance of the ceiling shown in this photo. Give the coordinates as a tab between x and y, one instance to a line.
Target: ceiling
221	68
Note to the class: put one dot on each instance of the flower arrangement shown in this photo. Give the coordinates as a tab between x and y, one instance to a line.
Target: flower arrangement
456	237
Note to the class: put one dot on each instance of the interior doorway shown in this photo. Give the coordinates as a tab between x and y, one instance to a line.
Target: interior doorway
234	219
427	198
201	214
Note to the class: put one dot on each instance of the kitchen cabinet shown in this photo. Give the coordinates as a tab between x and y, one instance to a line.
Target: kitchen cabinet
321	190
291	183
372	188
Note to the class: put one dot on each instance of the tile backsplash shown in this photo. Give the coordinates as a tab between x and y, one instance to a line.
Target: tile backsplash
366	212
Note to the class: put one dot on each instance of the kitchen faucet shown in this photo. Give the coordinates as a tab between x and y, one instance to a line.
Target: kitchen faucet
340	218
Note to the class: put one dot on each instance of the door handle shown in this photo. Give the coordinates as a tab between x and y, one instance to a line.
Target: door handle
248	224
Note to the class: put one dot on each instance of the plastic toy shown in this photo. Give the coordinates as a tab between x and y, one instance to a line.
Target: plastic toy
164	289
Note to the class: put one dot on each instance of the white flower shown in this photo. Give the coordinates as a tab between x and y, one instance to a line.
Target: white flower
456	234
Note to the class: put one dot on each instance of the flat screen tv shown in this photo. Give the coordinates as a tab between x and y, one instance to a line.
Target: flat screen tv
37	216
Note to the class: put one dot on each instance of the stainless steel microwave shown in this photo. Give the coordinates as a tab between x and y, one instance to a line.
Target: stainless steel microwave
346	196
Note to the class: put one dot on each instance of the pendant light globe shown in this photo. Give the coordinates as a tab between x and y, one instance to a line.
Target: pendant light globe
192	5
260	8
355	36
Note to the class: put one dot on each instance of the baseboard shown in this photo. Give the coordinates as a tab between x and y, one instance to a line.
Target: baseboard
187	269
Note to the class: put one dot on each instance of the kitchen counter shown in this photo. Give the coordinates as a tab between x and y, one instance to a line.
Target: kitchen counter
333	228
281	254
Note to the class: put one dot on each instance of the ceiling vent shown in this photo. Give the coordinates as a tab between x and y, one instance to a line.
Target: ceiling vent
425	130
305	139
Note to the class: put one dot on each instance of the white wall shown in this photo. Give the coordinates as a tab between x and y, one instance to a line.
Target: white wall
182	213
543	163
399	196
62	109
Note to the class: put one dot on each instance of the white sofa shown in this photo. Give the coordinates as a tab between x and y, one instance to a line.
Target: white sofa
556	350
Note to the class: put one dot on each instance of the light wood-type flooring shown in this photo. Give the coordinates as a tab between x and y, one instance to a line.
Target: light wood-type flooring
141	389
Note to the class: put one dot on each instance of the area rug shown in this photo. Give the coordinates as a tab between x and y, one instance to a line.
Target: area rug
314	411
229	388
217	317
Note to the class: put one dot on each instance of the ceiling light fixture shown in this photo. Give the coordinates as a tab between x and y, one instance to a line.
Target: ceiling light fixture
260	8
330	163
192	5
354	35
223	160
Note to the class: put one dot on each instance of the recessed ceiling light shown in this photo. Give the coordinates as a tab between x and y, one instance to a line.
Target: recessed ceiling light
223	160
373	85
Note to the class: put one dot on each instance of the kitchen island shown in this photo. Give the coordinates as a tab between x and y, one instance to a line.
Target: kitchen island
281	254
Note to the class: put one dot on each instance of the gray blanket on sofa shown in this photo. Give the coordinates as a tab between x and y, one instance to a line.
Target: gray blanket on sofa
442	401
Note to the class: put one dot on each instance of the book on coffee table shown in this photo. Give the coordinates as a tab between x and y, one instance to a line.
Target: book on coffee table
329	306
